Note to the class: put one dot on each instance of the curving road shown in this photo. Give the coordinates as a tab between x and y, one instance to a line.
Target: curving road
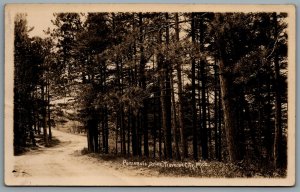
62	165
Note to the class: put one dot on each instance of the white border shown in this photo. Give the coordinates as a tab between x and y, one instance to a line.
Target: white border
12	9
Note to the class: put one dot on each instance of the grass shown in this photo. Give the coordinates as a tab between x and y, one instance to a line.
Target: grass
201	169
39	142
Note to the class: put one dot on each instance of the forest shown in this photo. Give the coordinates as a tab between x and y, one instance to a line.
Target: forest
192	86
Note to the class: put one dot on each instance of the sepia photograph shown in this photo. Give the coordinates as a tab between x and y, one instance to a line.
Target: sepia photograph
149	95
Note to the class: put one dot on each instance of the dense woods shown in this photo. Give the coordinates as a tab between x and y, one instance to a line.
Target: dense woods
176	86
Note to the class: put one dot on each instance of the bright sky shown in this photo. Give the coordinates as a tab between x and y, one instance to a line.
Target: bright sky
40	21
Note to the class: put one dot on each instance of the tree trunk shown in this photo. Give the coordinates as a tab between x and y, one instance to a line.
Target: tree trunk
231	130
31	125
134	139
44	116
49	112
220	126
123	134
216	130
92	136
167	98
105	111
143	85
159	129
134	136
209	130
194	110
139	134
277	148
102	149
175	124
154	129
203	96
117	134
269	130
180	99
128	129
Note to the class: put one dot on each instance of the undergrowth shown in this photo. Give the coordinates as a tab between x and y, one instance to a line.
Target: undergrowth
206	169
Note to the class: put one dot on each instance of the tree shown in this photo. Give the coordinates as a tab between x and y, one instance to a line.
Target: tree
228	50
29	81
194	109
180	92
278	137
22	90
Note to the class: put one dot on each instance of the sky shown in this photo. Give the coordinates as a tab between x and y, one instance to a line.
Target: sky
40	21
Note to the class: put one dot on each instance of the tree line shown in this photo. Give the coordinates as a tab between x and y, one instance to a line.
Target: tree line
185	86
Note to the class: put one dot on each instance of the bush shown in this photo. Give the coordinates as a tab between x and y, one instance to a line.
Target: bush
84	151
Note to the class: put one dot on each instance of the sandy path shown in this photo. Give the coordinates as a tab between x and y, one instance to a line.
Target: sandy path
62	162
61	165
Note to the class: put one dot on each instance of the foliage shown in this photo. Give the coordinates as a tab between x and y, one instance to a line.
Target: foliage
167	85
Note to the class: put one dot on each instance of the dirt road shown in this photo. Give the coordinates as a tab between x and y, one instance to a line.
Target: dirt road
63	165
